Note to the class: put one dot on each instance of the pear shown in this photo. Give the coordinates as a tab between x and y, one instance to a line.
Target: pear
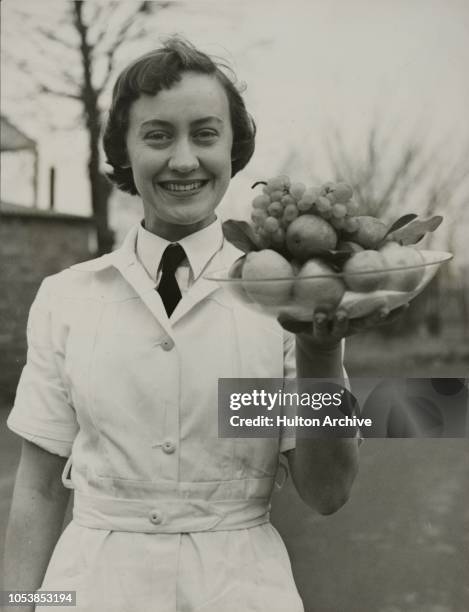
370	233
264	265
368	261
398	256
310	235
322	293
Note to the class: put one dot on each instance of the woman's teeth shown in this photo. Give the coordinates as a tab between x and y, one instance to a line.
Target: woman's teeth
183	187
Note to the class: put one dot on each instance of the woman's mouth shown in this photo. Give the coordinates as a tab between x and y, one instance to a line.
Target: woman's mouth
185	187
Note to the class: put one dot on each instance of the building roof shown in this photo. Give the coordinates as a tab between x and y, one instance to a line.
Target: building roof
12	139
9	209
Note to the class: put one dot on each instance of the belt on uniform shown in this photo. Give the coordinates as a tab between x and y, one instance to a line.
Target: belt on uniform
168	515
175	507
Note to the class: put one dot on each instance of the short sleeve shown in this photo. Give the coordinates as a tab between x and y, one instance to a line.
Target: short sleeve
43	412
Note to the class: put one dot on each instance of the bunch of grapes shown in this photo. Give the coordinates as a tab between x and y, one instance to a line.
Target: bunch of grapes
283	201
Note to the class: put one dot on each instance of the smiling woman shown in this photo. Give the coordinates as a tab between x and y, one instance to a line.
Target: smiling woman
177	131
179	147
119	395
159	70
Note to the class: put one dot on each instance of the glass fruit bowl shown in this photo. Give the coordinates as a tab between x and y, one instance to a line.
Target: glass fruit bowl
357	293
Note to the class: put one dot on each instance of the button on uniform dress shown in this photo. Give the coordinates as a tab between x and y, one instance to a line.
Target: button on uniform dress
167	517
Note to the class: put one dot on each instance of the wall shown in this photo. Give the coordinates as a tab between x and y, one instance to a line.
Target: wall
32	245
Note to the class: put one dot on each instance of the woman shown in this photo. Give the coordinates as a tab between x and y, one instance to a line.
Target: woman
119	393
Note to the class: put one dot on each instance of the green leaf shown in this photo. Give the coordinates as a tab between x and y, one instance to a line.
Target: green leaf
414	231
241	235
401	222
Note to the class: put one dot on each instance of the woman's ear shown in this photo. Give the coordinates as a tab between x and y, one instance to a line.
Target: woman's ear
125	162
124	159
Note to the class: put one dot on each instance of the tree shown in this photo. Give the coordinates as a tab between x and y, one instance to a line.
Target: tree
73	57
395	177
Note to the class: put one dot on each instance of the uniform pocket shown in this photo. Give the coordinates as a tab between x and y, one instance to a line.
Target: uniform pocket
276	589
256	457
74	566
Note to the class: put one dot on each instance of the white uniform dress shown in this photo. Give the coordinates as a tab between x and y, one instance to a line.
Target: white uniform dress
168	517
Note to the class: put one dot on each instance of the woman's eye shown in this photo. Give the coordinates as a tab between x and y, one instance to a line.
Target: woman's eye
159	137
206	136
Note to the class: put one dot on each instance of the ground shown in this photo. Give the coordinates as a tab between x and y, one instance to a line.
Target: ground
400	544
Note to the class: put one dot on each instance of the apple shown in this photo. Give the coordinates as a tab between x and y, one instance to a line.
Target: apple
398	256
322	293
264	265
370	262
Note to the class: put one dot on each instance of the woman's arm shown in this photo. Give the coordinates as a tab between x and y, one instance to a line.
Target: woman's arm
36	517
323	470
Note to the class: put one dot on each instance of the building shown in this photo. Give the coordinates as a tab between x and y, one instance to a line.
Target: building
34	243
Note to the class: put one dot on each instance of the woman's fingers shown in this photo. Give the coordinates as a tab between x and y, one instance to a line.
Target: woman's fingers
320	326
382	316
325	329
340	325
330	329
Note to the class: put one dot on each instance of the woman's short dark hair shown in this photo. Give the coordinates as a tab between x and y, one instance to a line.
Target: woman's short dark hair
161	69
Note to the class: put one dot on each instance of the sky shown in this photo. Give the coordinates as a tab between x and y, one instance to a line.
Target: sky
309	66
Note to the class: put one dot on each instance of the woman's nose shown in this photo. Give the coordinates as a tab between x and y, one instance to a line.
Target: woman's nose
183	158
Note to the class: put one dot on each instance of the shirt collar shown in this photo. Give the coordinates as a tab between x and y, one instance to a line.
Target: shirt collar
125	255
199	247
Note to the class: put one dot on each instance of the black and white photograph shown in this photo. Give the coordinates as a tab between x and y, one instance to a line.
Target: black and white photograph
234	306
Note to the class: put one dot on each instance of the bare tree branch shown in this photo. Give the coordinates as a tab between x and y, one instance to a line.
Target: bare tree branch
102	17
110	61
45	89
124	28
38	84
104	11
377	190
23	16
41	61
54	38
54	66
400	173
123	34
443	189
340	159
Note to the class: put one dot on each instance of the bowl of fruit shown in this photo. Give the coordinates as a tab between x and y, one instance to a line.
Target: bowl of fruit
309	249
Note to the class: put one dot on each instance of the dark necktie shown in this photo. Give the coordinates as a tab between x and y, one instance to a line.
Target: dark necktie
168	287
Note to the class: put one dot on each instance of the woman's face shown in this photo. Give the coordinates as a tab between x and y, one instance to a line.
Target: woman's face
179	147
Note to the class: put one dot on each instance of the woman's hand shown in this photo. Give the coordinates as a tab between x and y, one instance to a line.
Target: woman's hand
327	332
